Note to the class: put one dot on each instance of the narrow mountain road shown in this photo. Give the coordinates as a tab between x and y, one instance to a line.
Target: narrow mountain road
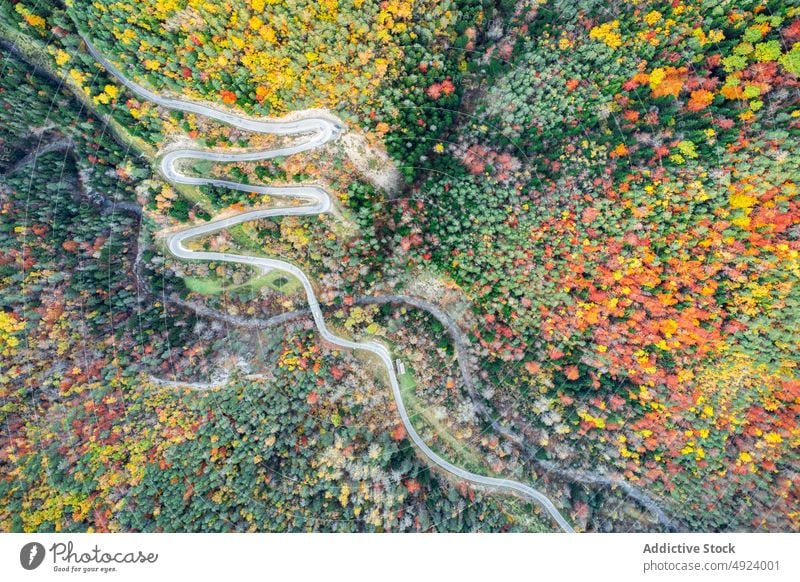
319	130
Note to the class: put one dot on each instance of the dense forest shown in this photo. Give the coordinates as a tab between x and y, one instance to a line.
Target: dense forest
627	222
90	442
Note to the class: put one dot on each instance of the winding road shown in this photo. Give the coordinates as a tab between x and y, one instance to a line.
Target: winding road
319	130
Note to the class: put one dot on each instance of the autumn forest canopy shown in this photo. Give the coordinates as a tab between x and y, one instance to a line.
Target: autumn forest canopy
592	205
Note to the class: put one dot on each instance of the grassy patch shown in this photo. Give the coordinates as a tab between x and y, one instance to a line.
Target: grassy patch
277	281
407	382
203	286
274	279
